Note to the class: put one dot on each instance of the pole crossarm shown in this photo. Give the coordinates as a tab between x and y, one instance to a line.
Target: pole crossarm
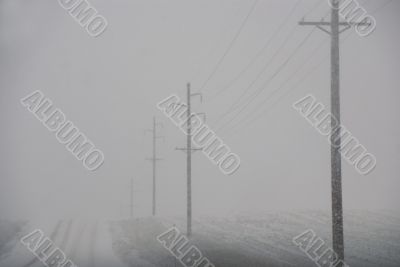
327	23
186	150
320	24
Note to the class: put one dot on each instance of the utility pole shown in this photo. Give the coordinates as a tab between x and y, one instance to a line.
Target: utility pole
131	205
154	167
336	169
154	160
189	150
189	164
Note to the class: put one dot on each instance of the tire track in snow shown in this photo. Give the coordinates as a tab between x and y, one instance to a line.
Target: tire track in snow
66	236
76	242
92	244
52	237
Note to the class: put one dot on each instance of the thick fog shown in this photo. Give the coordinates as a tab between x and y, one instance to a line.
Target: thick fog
109	87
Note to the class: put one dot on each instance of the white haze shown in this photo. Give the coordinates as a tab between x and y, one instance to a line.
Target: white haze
109	86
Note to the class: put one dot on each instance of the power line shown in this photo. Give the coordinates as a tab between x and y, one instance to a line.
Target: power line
236	104
212	50
259	53
215	69
287	93
298	83
233	130
258	76
256	93
262	104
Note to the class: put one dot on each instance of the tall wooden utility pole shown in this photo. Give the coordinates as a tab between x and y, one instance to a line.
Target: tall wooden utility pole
154	160
189	150
336	169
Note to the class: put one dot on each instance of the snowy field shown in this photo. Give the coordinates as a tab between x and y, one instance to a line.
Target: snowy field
371	239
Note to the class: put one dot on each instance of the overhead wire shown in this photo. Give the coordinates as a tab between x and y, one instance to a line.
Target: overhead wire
281	67
255	94
236	103
258	54
227	50
233	130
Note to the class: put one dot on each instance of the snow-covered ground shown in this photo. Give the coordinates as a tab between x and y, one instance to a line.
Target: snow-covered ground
9	232
371	239
86	243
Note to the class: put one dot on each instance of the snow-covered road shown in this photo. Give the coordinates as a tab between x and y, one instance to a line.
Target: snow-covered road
86	243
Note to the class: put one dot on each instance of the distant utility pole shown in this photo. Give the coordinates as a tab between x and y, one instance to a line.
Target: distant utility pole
189	150
131	205
154	160
132	191
336	169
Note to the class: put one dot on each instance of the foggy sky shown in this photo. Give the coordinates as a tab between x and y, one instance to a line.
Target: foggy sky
109	87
